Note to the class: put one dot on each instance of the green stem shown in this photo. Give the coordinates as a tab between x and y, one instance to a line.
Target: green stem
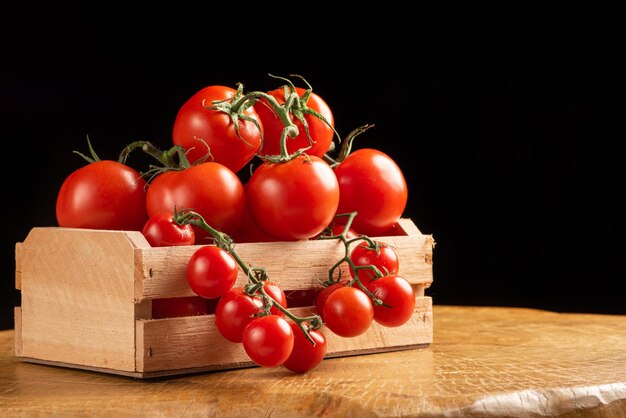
255	276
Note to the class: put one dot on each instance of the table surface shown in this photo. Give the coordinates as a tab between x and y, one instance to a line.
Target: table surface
484	362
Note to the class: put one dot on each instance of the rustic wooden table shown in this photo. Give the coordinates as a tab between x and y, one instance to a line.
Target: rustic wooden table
484	362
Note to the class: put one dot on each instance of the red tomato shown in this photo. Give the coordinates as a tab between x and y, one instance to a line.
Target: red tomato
321	133
396	292
268	340
306	356
211	272
293	200
211	189
161	230
181	306
348	312
249	231
323	295
372	184
199	129
386	260
276	292
234	311
103	195
302	297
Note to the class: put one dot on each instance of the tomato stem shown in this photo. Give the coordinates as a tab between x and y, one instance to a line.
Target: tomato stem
256	276
346	147
373	245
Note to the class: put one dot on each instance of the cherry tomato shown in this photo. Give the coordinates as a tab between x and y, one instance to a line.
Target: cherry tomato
276	292
211	272
199	129
161	230
301	297
323	294
293	200
321	133
348	312
306	356
386	260
104	194
211	189
268	340
181	306
373	185
234	311
396	292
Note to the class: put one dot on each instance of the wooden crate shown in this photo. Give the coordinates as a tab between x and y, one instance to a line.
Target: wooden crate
87	295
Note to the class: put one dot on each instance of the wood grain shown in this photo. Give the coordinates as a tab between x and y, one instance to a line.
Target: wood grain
295	265
484	362
77	297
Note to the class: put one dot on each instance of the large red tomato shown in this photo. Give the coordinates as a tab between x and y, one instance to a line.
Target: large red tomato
293	200
103	194
321	132
211	189
372	184
199	129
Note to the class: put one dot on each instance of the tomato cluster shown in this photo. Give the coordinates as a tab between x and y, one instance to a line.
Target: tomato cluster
296	190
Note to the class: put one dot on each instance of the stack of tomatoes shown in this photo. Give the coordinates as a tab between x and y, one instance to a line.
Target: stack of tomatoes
294	192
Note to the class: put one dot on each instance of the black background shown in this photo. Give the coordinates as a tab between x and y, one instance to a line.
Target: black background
511	146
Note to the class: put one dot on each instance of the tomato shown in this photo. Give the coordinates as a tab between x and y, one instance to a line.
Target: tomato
161	230
348	312
234	311
276	292
211	272
386	260
199	129
211	189
321	133
103	194
323	295
293	200
373	185
396	292
301	297
249	231
306	356
268	340
181	306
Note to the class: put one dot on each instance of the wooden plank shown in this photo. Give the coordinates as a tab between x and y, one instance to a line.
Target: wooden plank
295	265
18	265
195	342
17	319
77	297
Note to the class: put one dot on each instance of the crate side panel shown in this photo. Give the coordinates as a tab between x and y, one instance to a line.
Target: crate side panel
294	265
195	342
77	297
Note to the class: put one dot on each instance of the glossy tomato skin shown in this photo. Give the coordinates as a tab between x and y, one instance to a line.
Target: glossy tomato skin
306	356
268	340
211	189
196	123
373	185
348	312
324	293
321	133
276	292
180	306
211	272
386	260
234	311
294	200
103	195
161	230
396	292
